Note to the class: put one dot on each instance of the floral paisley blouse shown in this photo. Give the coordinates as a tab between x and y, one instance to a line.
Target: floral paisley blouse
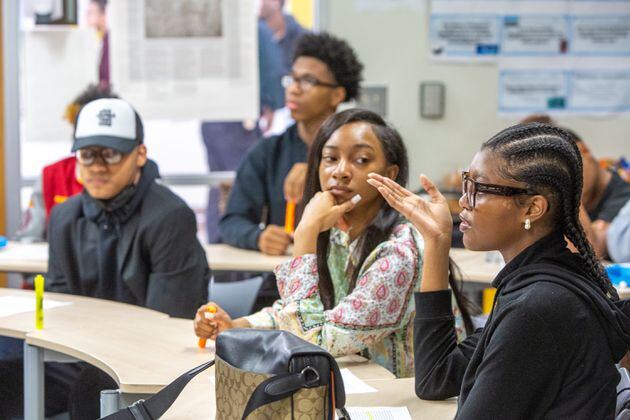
375	320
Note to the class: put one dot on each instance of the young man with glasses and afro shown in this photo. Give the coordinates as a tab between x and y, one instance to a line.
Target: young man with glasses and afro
325	73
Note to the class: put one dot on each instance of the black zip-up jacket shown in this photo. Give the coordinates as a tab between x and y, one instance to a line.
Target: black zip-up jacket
139	248
258	192
547	351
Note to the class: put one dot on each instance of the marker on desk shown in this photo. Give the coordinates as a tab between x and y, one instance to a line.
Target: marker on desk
39	302
289	217
210	311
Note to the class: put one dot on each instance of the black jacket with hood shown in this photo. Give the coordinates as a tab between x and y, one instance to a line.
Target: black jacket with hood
548	349
139	247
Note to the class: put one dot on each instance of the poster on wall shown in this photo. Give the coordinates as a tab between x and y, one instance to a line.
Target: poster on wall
560	86
189	59
485	30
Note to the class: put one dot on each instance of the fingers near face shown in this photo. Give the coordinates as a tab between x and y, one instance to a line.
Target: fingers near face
351	153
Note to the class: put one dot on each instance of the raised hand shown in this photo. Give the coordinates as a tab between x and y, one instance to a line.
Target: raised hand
431	217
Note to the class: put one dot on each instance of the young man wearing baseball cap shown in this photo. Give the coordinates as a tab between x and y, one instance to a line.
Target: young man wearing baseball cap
124	238
124	212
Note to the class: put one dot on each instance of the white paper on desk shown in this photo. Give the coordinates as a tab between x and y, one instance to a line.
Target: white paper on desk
25	252
354	385
379	413
11	305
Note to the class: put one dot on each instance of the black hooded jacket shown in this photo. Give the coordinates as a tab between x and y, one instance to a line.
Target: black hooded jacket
547	351
139	247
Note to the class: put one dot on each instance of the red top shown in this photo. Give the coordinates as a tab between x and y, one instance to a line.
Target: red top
59	182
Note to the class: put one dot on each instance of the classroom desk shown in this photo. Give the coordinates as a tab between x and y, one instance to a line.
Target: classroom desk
18	325
141	349
197	400
223	257
363	369
19	257
475	266
401	392
33	258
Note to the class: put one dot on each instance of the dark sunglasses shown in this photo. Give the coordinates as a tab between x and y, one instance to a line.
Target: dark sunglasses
470	188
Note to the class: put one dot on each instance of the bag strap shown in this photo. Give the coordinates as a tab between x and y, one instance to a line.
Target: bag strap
274	389
157	405
285	385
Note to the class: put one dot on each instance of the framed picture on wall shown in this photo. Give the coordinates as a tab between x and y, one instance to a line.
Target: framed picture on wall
49	12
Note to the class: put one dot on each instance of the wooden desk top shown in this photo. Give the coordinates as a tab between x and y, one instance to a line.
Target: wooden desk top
474	265
142	355
197	400
401	392
140	348
143	350
33	258
223	257
363	369
19	325
19	257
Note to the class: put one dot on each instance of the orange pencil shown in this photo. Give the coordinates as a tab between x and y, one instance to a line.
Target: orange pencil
202	341
289	217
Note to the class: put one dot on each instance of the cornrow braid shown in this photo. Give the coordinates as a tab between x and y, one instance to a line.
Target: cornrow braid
547	159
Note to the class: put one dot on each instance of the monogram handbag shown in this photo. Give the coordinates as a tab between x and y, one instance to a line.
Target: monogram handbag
260	374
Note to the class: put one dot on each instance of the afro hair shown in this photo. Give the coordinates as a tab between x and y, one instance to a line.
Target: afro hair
340	58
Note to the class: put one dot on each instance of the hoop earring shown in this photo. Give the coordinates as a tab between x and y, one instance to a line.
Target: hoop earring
528	224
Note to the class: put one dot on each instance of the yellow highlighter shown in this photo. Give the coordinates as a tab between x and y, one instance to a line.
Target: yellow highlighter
39	302
202	341
289	217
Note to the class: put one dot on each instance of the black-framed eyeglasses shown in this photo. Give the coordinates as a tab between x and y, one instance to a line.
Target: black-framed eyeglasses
87	157
470	188
305	83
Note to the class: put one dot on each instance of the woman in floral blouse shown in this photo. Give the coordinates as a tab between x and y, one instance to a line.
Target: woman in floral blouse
356	264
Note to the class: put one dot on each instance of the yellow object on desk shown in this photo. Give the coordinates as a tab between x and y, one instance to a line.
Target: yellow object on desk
39	302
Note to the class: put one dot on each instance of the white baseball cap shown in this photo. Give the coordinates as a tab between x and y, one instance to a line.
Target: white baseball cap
108	122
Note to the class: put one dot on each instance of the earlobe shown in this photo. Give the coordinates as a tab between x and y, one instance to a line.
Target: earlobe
584	150
339	96
392	172
141	158
537	208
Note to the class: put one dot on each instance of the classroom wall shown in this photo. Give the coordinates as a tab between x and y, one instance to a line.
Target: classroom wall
392	44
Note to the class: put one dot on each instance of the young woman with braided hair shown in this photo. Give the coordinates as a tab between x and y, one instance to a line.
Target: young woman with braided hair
549	347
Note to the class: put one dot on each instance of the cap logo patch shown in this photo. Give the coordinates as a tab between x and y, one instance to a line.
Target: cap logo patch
105	117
